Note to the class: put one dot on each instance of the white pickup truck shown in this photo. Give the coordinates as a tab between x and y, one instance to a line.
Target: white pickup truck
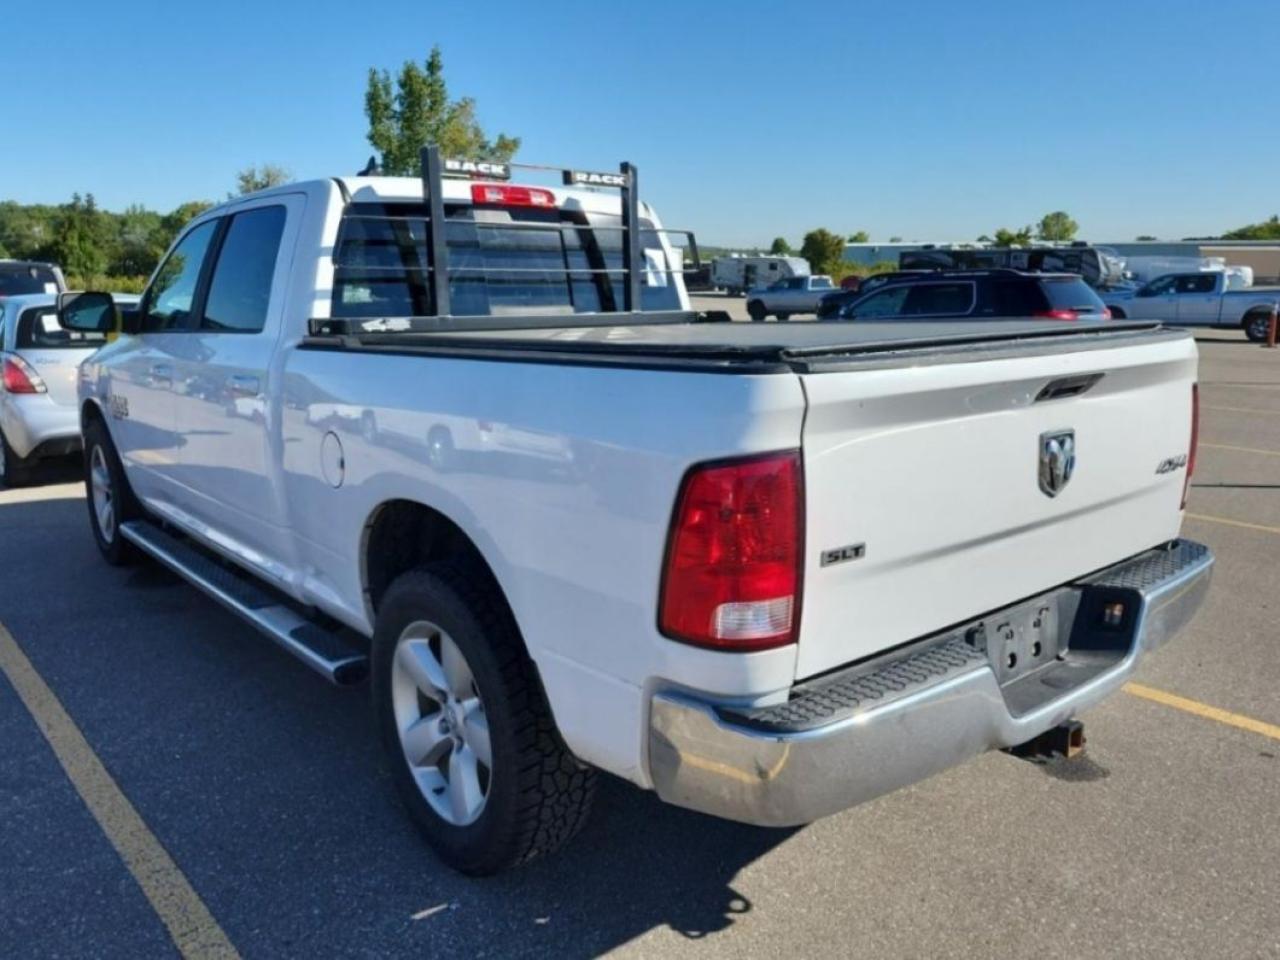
1200	298
469	438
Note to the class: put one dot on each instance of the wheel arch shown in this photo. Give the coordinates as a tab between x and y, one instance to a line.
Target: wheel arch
91	410
401	534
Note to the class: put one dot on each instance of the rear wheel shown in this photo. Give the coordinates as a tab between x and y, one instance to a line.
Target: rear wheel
1257	325
756	310
111	502
13	469
473	748
1117	313
783	316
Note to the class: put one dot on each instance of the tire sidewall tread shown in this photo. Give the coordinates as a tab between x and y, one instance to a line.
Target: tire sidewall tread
539	793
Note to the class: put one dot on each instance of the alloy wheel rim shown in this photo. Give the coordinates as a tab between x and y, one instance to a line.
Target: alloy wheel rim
1259	327
441	722
104	503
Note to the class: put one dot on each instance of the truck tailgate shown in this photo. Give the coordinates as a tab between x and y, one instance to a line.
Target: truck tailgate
923	484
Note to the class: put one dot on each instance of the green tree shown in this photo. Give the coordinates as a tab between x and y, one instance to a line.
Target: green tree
860	237
895	239
824	250
415	109
252	178
1145	236
1013	238
1057	227
82	237
179	217
141	239
780	247
1266	230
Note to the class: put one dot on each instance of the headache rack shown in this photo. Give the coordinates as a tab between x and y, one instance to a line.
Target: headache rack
433	277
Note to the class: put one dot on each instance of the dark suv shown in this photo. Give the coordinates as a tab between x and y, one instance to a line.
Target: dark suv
20	277
977	295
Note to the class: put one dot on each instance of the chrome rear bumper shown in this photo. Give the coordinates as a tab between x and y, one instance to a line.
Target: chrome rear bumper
852	736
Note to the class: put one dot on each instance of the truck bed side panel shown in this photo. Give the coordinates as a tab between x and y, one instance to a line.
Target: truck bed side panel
564	478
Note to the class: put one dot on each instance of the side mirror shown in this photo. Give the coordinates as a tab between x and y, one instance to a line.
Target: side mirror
91	312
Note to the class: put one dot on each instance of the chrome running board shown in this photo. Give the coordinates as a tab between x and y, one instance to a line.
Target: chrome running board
322	649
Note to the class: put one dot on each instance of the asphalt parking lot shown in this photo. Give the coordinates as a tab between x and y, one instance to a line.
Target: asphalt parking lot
263	821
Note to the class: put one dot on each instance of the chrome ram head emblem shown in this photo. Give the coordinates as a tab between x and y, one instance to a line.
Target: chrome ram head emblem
1057	460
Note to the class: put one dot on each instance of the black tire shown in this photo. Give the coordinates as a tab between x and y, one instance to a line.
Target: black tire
1256	325
538	794
1117	314
756	310
115	549
13	468
782	316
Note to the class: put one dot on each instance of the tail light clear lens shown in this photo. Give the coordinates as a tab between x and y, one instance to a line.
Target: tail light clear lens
733	572
1195	442
19	377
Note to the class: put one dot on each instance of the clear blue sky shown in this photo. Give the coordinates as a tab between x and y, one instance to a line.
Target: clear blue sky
931	120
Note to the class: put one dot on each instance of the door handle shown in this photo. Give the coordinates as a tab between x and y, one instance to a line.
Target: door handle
241	385
161	375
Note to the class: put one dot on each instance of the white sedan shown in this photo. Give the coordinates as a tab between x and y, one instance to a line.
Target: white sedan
39	415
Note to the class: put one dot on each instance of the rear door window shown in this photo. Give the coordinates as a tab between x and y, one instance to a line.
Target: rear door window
1014	298
38	329
938	300
240	287
1196	283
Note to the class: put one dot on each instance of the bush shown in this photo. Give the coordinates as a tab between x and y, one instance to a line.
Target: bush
135	284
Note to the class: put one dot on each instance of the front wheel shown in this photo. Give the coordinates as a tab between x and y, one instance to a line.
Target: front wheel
1257	326
111	502
756	310
472	746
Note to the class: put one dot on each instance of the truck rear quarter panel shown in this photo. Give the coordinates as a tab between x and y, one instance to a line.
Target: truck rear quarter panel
564	477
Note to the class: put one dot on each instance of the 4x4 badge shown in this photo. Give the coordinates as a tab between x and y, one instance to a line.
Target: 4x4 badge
1057	460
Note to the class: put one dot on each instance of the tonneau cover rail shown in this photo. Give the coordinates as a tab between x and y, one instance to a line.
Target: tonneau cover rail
723	355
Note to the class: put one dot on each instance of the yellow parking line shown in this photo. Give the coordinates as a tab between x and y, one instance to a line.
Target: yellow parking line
1204	710
194	930
1228	446
1233	523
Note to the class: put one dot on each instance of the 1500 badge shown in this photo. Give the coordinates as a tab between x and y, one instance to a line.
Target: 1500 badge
1172	463
119	407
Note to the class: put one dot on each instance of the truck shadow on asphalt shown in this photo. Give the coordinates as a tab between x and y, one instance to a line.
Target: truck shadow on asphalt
269	789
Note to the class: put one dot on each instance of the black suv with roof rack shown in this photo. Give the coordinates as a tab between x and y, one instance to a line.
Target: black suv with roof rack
970	295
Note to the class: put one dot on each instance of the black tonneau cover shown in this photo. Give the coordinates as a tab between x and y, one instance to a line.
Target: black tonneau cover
757	347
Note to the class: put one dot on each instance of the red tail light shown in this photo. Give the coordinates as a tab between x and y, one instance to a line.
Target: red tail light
509	196
733	572
1106	313
1057	315
20	378
1195	442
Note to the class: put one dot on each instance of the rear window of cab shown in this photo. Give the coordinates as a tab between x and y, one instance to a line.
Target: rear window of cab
501	261
38	329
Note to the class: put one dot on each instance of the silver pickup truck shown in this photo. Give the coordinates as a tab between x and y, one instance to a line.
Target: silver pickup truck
792	295
1197	299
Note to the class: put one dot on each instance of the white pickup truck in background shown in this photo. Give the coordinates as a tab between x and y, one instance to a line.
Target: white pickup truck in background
468	437
787	297
1200	298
